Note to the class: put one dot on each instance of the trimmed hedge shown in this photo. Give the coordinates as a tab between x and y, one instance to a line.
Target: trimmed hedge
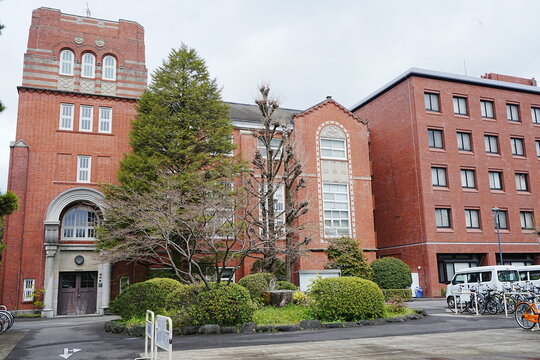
256	284
285	285
391	273
224	305
346	299
148	295
401	294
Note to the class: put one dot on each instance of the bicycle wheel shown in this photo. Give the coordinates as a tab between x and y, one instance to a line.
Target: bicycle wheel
10	317
492	307
520	314
4	322
511	303
451	305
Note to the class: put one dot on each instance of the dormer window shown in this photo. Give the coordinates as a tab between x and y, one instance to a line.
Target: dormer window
88	66
109	68
66	62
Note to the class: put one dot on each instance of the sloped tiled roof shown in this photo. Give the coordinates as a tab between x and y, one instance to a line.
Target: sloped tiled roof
247	114
327	101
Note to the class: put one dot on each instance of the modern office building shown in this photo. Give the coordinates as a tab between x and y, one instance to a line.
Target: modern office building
450	154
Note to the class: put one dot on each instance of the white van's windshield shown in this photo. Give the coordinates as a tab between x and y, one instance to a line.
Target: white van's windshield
508	275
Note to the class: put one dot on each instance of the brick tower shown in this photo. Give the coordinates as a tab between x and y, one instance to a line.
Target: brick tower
82	77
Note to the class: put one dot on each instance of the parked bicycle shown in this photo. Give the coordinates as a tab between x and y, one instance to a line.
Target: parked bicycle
6	319
526	313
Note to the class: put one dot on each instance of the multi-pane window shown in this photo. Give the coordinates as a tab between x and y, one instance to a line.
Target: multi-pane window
66	62
468	179
431	101
88	67
495	180
535	115
522	182
83	168
279	203
491	143
438	176
486	107
537	148
464	141
85	121
333	149
66	116
501	219
517	146
79	223
435	139
512	112
275	147
109	68
527	220
460	105
336	210
472	218
28	289
105	120
442	218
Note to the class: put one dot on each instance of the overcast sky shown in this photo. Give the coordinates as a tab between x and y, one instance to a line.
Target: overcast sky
305	49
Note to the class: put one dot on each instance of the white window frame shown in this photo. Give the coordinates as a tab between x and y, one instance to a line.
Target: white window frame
84	172
66	62
439	176
512	112
275	144
431	102
28	289
436	139
443	218
464	141
491	143
518	146
109	68
86	118
88	65
495	180
460	105
66	118
80	228
486	107
330	152
335	206
105	121
527	220
468	178
522	182
472	218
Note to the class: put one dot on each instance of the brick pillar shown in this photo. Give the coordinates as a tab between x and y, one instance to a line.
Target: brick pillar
490	259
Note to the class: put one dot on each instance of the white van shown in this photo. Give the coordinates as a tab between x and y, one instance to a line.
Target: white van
494	277
529	273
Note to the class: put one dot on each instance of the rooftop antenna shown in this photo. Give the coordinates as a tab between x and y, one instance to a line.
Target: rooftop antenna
88	14
465	67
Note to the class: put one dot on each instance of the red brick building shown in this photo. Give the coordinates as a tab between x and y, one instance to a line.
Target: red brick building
446	150
82	78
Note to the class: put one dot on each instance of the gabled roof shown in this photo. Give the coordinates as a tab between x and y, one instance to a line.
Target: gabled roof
327	101
249	114
438	75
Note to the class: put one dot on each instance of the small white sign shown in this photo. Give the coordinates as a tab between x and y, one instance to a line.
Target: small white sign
67	353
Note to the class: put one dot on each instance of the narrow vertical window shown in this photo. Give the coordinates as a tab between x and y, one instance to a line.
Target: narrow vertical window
486	107
464	141
88	66
336	210
527	220
522	182
468	179
517	146
66	117
535	115
472	218
431	101
460	105
109	68
442	218
66	62
105	120
438	176
435	139
86	118
501	219
495	180
512	112
83	168
537	148
28	289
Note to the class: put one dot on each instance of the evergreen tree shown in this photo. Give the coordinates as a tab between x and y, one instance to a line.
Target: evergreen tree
345	254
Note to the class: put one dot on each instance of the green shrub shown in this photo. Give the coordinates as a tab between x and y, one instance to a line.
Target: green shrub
285	285
401	294
256	284
345	254
152	295
225	305
391	273
346	299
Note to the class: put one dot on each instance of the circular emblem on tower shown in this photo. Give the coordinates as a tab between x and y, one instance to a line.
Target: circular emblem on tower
78	40
100	43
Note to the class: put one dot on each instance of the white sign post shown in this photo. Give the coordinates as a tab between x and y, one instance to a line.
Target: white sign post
149	334
163	335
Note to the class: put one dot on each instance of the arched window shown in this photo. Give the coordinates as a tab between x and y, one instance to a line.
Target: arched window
88	65
333	144
66	62
79	223
109	68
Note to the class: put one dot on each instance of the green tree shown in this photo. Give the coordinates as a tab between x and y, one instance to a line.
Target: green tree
9	202
391	273
345	254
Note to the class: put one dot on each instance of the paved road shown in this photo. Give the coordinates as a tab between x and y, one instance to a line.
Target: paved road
439	336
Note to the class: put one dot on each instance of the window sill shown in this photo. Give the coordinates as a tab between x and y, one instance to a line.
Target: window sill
494	191
441	188
431	112
514	122
493	154
489	119
445	230
73	183
475	231
470	190
523	192
528	231
440	150
466	152
519	157
462	116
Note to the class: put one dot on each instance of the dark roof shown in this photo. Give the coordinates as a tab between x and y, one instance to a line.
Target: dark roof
250	114
438	75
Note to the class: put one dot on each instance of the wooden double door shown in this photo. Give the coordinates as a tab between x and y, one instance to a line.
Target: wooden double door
77	293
